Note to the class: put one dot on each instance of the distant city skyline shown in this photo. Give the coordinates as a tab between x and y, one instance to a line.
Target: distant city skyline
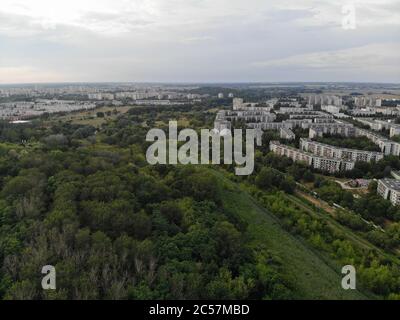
197	83
198	41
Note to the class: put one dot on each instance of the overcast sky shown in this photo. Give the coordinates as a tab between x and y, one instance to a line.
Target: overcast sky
198	41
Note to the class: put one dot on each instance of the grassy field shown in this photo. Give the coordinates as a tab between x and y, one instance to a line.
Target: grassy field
314	278
89	117
182	122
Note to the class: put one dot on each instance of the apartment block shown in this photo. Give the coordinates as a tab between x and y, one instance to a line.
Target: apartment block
249	116
319	129
325	99
330	165
290	152
389	189
268	125
288	110
287	134
387	146
330	108
394	131
325	150
367	102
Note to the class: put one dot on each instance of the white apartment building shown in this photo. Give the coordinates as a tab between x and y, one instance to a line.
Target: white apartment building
287	124
298	123
26	110
367	102
253	115
378	125
341	115
288	110
325	99
330	108
363	112
238	104
221	125
287	134
326	164
325	150
268	125
146	95
394	130
101	96
387	111
324	120
370	123
343	129
290	152
310	115
387	146
389	189
330	165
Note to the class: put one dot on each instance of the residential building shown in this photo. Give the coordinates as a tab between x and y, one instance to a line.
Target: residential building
389	189
387	146
330	165
394	131
330	108
325	150
343	129
287	134
325	99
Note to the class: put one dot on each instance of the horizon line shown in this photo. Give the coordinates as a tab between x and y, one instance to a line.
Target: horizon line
197	82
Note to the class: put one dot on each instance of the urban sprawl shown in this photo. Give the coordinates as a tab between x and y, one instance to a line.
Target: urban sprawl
320	114
329	118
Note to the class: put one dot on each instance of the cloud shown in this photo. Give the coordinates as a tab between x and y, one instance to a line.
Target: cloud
121	16
27	74
369	13
197	40
374	62
101	16
365	57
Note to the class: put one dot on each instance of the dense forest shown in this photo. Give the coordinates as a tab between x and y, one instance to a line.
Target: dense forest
114	227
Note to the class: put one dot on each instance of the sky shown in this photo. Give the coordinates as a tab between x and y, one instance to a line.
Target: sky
199	41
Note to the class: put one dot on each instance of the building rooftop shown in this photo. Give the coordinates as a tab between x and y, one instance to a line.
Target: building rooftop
341	148
287	130
391	183
306	152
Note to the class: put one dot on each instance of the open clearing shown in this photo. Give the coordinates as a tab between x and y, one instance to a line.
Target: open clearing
314	278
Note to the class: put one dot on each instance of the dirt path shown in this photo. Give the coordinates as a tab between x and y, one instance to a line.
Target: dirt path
319	203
